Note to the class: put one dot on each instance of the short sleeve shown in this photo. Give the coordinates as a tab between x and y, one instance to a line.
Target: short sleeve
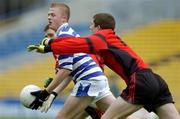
65	62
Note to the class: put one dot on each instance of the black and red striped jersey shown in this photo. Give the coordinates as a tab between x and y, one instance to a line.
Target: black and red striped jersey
105	43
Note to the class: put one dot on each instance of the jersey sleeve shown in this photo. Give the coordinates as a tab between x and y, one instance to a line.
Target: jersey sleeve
70	45
65	62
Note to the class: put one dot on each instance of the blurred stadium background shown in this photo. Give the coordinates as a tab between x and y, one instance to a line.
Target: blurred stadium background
151	27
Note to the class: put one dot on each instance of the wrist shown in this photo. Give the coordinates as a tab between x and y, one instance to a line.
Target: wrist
54	93
44	94
47	48
49	41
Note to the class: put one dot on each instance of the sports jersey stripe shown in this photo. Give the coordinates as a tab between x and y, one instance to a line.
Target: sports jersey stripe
78	58
69	67
65	64
64	56
75	34
95	69
84	70
91	48
80	67
66	60
70	32
89	76
88	70
65	29
101	37
84	61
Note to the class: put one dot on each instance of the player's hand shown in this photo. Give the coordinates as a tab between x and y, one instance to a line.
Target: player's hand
41	96
39	48
47	82
47	104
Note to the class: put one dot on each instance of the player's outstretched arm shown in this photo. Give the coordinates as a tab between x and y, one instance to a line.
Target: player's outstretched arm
70	45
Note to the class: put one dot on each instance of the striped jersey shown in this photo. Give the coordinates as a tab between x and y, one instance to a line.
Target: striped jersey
82	65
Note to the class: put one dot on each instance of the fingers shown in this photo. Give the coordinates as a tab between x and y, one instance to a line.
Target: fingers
36	93
32	104
31	48
36	104
47	104
45	107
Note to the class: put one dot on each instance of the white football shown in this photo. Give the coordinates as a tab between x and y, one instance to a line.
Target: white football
25	97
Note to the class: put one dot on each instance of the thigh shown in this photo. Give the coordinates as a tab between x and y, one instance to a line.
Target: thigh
105	102
167	111
120	109
73	106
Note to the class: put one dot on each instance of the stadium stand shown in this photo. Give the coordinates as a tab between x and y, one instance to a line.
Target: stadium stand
34	73
155	40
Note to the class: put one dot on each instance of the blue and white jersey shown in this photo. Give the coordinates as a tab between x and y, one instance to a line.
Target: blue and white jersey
65	30
82	65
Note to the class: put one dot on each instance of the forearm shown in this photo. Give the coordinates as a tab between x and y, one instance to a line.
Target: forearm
62	85
59	77
55	82
70	46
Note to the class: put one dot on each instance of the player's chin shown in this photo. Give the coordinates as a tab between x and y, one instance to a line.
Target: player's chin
52	27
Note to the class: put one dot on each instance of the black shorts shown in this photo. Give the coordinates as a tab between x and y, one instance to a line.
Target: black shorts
148	89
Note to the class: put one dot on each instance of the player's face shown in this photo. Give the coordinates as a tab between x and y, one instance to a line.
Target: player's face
50	33
92	27
55	18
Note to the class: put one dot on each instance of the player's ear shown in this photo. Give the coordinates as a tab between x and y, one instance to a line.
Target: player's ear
65	19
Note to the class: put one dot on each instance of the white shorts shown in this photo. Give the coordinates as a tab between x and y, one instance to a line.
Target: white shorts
93	88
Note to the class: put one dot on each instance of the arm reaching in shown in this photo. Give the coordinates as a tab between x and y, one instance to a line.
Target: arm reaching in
70	45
